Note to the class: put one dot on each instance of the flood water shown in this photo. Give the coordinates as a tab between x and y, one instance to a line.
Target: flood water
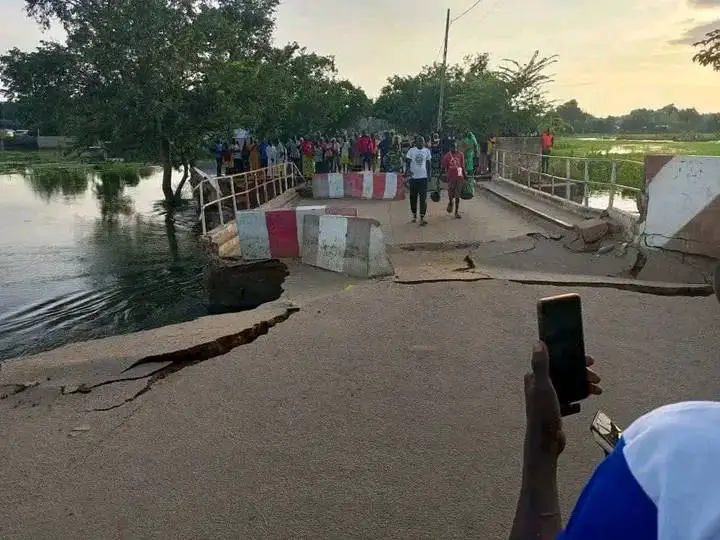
86	257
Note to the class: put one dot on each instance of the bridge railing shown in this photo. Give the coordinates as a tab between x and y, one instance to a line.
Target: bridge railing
244	191
590	181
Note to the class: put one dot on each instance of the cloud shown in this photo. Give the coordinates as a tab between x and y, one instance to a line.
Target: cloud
697	32
704	3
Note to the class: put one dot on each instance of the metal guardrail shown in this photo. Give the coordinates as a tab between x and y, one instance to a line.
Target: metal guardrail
249	189
526	169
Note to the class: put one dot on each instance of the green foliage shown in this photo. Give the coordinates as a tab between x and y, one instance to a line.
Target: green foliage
481	103
156	80
629	151
41	84
410	103
669	119
709	54
629	171
509	100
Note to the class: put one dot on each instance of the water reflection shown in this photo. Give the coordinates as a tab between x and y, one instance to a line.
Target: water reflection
49	182
93	253
109	185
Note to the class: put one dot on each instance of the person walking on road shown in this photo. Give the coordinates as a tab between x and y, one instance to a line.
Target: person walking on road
453	163
418	163
470	150
547	140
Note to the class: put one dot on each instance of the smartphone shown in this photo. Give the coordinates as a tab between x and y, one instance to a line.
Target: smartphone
561	329
605	431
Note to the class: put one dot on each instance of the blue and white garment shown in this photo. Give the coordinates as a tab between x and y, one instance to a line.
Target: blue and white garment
662	482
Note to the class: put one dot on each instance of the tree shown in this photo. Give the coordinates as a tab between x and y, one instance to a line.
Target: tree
526	88
156	78
481	104
411	103
41	85
573	116
709	55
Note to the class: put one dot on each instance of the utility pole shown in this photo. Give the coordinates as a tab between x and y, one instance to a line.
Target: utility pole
443	73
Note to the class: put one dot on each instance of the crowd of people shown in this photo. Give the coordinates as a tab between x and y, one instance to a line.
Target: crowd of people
349	152
424	162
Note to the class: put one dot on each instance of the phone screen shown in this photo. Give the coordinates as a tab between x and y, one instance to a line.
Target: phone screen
561	328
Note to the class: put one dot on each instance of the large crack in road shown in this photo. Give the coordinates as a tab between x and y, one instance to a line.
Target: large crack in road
184	358
538	259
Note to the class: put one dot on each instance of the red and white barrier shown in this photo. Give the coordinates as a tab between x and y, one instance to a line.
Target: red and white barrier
359	185
683	204
348	245
274	234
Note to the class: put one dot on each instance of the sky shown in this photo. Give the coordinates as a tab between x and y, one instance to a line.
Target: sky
613	55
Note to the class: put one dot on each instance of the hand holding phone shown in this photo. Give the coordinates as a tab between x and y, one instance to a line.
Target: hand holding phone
560	328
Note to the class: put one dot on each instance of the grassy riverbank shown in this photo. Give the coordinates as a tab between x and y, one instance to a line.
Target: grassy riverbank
62	164
628	151
632	148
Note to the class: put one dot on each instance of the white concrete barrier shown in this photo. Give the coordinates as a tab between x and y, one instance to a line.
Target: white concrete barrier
276	234
359	185
683	204
348	245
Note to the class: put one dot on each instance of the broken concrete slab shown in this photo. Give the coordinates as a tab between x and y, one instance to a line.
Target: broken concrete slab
81	368
428	274
592	230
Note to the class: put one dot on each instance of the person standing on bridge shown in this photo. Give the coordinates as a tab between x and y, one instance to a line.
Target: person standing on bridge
490	154
547	141
453	163
308	157
418	164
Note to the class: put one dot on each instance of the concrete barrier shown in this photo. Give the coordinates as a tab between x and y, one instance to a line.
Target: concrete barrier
359	185
348	245
275	234
682	204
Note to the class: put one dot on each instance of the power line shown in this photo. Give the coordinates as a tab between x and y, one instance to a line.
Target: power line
468	10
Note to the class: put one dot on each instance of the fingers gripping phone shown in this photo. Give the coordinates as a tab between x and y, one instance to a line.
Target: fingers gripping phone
605	432
561	329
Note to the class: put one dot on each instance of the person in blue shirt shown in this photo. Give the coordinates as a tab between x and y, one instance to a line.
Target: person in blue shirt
661	482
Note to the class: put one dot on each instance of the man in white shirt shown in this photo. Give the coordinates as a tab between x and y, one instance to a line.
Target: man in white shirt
418	166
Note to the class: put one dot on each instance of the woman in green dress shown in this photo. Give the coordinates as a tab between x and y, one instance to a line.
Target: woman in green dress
470	148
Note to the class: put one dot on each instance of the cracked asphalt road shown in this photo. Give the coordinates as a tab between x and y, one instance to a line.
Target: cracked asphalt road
384	411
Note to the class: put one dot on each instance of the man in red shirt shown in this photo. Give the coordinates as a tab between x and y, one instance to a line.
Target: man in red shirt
366	146
453	163
547	140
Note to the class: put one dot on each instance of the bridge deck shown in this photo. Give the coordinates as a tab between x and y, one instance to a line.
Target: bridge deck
484	218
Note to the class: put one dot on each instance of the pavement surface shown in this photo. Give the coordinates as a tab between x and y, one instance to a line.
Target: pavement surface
484	218
348	409
380	411
494	232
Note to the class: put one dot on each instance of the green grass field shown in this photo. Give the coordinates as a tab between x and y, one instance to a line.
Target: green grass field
632	148
629	152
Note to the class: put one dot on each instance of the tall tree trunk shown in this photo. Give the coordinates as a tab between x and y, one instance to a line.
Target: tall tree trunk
186	175
167	170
